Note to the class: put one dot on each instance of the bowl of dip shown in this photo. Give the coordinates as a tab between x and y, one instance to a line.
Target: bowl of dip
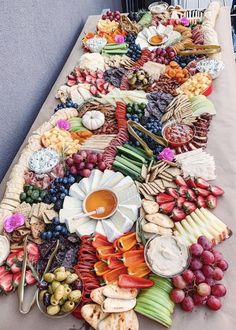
177	134
157	39
158	7
101	198
166	256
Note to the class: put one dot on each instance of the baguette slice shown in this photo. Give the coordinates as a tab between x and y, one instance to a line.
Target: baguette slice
93	314
122	321
160	220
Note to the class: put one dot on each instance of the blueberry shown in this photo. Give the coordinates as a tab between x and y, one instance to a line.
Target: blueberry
56	221
44	235
49	234
51	191
54	199
66	192
64	231
65	180
62	196
58	228
55	234
71	179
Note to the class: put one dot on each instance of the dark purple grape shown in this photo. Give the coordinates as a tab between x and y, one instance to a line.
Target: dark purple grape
77	285
46	299
43	285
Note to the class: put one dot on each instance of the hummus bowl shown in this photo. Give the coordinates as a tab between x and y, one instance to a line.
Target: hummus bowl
166	256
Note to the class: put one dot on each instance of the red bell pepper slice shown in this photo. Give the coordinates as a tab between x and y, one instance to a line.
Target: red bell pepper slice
100	240
126	242
114	261
113	275
103	252
100	268
129	281
141	270
133	257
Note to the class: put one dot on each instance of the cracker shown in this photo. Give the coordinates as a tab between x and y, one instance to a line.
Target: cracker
146	196
23	208
37	228
50	214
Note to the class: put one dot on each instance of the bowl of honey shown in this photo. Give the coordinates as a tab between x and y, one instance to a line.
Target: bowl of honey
104	198
157	39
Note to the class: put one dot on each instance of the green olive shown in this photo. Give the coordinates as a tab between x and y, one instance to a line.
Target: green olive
53	310
68	272
49	277
62	301
60	276
67	289
59	269
74	296
50	290
59	292
68	306
55	284
71	278
41	294
54	301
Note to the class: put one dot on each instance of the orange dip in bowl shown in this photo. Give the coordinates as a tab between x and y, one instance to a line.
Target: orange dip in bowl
156	40
101	198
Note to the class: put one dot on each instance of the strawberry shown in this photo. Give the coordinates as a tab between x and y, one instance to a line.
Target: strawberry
211	201
15	268
16	280
191	196
202	192
216	191
179	180
166	208
164	198
20	255
190	182
182	191
177	214
201	183
6	283
29	278
11	259
32	249
172	192
201	201
180	202
189	207
3	271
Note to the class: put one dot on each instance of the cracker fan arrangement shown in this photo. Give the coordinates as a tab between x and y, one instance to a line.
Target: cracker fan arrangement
109	209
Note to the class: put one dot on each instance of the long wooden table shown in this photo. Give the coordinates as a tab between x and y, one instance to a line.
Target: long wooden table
221	144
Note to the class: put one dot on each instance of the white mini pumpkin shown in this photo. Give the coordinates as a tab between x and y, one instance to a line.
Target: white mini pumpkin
93	119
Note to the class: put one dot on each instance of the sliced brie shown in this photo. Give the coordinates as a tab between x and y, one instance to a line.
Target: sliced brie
107	174
68	213
113	180
123	184
121	222
127	194
84	184
73	225
86	228
131	211
76	191
71	202
110	230
95	179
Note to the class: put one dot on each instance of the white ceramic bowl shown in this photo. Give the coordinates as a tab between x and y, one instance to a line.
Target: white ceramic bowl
96	44
211	66
158	7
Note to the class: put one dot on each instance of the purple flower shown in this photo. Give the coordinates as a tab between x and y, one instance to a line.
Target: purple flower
63	124
184	21
13	221
119	39
167	154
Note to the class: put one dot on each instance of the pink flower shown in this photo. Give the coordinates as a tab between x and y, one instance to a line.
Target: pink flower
184	21
63	124
119	39
13	221
167	154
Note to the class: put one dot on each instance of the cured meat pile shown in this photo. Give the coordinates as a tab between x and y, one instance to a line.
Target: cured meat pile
197	35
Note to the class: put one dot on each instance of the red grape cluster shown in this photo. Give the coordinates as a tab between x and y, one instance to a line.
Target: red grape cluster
163	56
197	285
84	162
112	15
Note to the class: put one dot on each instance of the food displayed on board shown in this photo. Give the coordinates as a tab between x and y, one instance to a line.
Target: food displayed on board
109	207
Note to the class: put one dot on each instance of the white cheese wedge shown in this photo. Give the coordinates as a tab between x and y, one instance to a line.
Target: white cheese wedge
121	222
71	202
76	191
95	179
99	228
107	174
84	184
73	225
124	184
86	228
110	230
135	200
113	180
127	194
68	213
131	211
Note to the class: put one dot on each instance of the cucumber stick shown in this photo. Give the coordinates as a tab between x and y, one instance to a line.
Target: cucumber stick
137	150
126	171
128	164
132	154
132	161
115	46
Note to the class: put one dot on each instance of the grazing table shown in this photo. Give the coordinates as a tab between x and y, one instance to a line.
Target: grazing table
221	144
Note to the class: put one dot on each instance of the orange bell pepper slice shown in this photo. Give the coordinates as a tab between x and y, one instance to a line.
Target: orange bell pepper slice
101	268
103	252
133	257
126	242
140	270
113	275
115	261
100	240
